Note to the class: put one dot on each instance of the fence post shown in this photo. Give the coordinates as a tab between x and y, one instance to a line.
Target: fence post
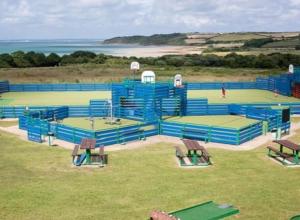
238	137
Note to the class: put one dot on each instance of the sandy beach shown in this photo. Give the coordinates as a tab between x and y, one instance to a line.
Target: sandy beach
156	51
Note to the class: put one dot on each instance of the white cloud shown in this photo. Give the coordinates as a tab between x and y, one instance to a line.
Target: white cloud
101	18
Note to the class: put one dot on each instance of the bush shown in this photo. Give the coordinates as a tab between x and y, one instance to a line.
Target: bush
6	61
36	59
99	59
53	59
21	60
258	42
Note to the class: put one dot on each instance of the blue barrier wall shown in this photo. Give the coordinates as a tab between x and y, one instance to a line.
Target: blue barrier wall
99	108
219	85
4	86
37	127
194	107
211	133
59	87
264	113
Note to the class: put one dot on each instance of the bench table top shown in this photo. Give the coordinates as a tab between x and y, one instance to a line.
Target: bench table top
88	143
192	145
288	144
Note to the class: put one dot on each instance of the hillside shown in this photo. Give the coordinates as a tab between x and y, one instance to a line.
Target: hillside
218	42
157	39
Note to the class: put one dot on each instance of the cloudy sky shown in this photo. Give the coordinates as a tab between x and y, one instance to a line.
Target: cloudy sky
98	19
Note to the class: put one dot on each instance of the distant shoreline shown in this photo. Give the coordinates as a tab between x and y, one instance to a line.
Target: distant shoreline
66	47
157	51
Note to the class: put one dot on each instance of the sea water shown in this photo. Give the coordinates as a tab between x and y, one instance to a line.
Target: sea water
62	47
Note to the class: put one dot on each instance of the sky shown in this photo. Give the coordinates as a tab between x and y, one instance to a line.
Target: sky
100	19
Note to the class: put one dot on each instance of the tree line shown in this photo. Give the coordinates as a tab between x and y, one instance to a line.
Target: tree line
21	59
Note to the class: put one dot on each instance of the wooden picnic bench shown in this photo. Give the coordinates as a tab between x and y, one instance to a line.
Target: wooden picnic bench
100	157
179	152
89	157
193	157
75	152
293	158
276	151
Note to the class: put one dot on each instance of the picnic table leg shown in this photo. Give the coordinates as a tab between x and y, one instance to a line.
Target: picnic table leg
189	153
296	157
194	158
281	148
88	156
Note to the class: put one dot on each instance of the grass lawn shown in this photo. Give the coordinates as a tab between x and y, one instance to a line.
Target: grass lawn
113	71
99	123
51	98
240	96
230	121
37	180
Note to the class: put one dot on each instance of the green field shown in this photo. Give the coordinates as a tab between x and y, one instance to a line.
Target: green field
51	98
37	180
293	42
8	123
230	121
230	37
240	96
99	123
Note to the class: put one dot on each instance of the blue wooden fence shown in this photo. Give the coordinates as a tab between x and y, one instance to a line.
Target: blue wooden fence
59	87
211	133
4	86
219	85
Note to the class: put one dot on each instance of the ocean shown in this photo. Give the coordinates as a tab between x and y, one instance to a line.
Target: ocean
62	47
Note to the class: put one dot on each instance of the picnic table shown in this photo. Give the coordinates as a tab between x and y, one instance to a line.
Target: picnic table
88	145
193	147
289	145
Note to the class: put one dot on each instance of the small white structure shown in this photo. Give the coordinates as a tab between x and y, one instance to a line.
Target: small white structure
134	66
291	68
177	80
148	77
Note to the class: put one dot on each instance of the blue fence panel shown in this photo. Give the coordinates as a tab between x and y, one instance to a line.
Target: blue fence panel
79	111
59	87
262	83
71	134
196	107
99	108
217	109
4	86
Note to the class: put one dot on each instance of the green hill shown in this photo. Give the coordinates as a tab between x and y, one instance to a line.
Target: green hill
287	43
157	39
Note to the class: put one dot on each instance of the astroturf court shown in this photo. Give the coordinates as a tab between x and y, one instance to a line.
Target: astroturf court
240	96
99	123
228	121
83	97
51	98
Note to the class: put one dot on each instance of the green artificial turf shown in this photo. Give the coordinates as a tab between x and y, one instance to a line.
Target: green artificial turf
51	98
82	98
99	123
8	123
38	181
240	96
204	211
228	121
